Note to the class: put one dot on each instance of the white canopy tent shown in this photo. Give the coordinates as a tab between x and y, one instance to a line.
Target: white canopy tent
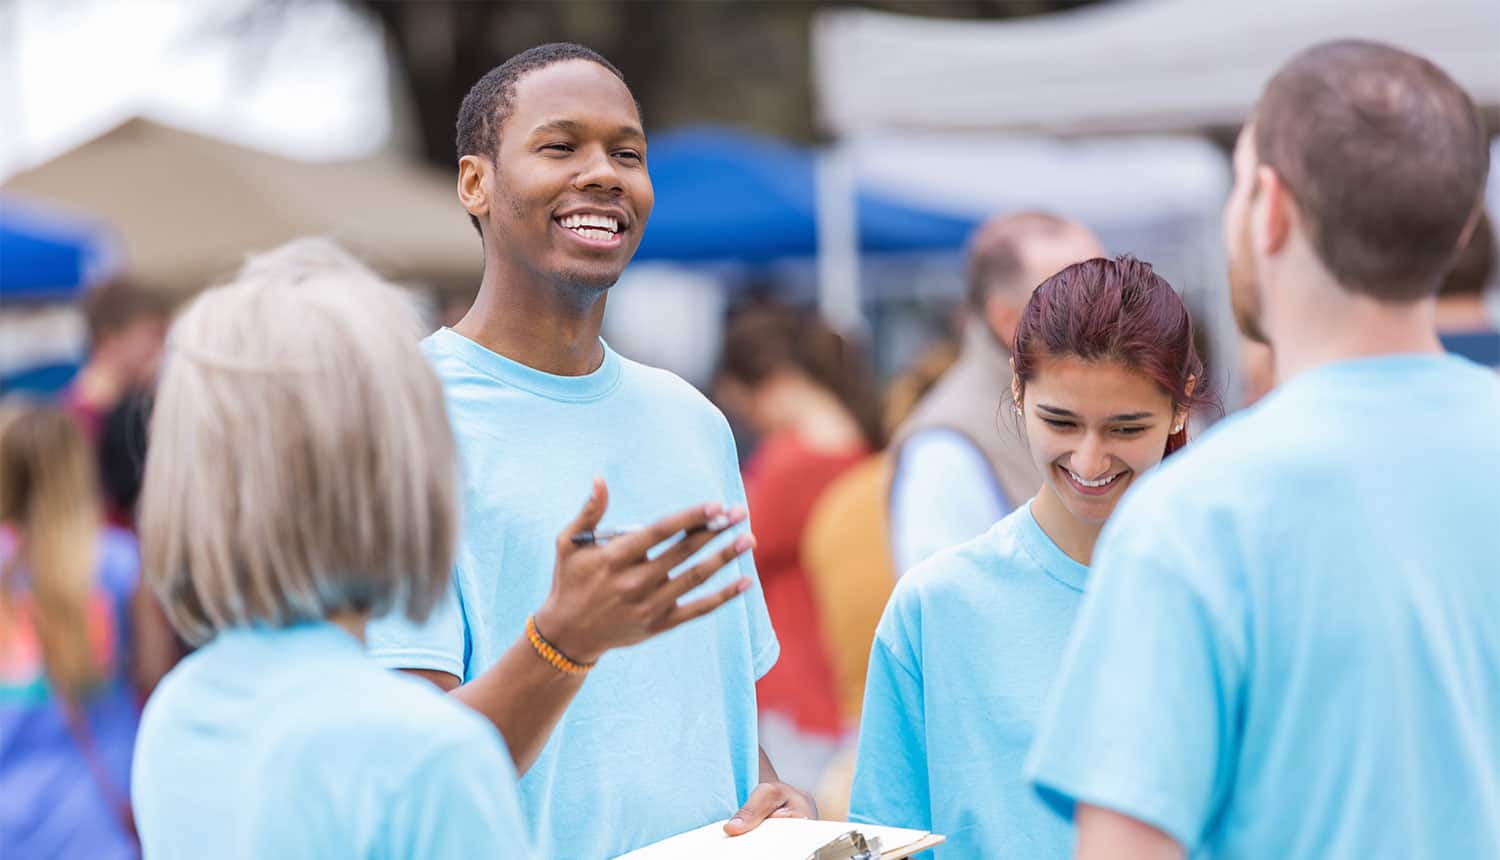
971	112
1136	65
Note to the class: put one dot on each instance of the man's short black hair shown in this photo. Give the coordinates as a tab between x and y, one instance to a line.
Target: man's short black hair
490	102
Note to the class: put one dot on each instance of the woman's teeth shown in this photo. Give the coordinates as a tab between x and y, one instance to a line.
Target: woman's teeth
1092	484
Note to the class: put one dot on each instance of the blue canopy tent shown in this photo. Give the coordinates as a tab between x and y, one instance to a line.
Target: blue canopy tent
45	257
726	195
46	262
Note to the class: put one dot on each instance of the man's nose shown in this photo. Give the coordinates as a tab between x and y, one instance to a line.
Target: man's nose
598	173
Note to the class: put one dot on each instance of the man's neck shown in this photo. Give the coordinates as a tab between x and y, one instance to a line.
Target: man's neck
547	327
98	386
1327	324
978	342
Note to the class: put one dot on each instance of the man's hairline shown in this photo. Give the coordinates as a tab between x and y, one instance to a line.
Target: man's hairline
515	85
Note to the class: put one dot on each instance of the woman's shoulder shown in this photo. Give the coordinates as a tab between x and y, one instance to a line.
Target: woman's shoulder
953	573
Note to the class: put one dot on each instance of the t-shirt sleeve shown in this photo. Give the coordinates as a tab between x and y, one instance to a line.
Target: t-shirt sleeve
890	772
439	644
764	648
461	803
1142	719
943	493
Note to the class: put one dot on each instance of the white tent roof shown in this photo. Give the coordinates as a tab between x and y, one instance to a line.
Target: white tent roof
1098	180
1143	65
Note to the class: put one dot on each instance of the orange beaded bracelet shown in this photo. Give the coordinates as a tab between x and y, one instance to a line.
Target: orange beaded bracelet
555	658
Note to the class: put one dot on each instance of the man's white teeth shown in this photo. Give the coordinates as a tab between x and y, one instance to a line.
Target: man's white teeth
599	223
1099	483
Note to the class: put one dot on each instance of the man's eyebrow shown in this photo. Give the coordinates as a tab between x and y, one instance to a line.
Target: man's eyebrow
573	126
1064	413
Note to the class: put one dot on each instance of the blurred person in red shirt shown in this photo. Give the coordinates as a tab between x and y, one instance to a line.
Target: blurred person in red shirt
809	395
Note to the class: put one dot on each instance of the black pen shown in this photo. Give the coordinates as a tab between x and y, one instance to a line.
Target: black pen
599	537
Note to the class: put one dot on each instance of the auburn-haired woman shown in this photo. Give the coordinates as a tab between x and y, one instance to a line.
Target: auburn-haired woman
1105	376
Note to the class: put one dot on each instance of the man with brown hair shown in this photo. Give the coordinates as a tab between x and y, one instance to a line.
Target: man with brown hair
1289	643
127	328
961	463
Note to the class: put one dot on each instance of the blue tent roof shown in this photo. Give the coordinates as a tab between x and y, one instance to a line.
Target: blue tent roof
726	195
45	257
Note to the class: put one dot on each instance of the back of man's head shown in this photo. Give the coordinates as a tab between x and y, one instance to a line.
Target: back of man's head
113	307
1386	158
1010	254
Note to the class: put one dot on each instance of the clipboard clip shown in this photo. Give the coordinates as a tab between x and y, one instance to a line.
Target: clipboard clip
849	846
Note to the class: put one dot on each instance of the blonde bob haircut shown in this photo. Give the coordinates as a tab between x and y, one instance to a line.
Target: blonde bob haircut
300	461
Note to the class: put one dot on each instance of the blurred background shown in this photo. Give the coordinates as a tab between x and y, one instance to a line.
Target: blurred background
829	154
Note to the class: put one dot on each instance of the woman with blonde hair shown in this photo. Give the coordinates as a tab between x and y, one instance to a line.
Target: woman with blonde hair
300	480
68	715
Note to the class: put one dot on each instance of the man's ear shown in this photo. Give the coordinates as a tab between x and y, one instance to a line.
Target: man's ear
1279	209
473	184
1002	318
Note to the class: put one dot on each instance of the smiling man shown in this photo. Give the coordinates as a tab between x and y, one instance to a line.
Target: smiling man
662	737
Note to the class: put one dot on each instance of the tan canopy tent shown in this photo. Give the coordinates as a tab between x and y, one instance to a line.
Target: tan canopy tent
187	208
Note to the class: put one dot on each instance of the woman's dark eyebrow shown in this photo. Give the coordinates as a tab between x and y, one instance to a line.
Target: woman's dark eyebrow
1124	416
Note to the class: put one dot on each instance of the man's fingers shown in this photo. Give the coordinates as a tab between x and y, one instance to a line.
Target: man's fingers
637	543
686	612
682	583
588	518
693	541
764	800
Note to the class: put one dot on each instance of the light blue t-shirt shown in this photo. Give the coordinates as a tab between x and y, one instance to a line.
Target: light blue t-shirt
662	736
944	492
1291	643
293	744
963	658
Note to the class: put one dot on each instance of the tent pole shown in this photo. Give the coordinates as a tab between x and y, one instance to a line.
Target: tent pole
838	243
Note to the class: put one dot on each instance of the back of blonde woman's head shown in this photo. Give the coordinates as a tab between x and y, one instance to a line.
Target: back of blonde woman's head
300	461
48	493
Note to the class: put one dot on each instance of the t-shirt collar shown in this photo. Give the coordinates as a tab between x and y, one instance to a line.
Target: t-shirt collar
590	386
1058	564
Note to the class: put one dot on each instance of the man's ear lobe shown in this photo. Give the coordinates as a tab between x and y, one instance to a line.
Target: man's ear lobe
1279	209
473	187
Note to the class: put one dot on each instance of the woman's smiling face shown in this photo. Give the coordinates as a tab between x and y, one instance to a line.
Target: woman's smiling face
1093	426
